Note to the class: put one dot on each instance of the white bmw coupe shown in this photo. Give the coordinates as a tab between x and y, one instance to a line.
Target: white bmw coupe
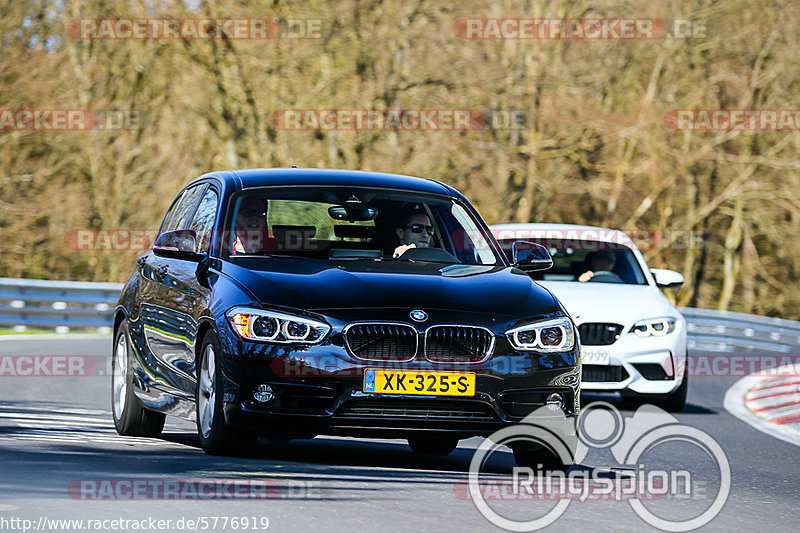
633	340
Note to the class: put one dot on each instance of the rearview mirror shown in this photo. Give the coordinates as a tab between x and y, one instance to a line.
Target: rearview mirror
667	279
352	213
530	257
179	244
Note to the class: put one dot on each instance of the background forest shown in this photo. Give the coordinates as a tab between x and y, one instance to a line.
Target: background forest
594	147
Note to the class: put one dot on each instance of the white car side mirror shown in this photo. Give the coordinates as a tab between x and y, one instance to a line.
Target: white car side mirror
667	279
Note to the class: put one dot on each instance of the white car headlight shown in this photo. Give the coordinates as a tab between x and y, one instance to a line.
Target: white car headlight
556	335
654	327
271	326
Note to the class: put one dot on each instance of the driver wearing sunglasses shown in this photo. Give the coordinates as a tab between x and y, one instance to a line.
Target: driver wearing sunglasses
415	231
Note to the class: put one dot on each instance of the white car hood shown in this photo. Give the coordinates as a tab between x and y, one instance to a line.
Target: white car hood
610	302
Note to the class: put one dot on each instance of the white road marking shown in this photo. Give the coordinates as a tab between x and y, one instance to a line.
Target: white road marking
54	424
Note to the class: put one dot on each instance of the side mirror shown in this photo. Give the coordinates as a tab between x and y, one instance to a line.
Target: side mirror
667	279
530	257
179	244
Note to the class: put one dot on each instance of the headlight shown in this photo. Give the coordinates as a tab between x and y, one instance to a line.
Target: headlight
654	327
271	326
555	335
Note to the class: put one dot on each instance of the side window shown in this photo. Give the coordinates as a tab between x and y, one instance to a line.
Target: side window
203	222
170	216
183	210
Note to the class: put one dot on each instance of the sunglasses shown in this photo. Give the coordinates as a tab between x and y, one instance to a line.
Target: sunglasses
417	228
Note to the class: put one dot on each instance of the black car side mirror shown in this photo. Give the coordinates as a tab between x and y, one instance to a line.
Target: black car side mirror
530	257
179	244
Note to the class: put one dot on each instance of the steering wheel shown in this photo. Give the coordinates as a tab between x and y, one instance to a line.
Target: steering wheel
605	276
429	254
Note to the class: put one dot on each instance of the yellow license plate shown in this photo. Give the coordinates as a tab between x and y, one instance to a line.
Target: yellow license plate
420	383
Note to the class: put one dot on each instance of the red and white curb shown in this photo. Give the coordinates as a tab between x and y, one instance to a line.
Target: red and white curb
769	403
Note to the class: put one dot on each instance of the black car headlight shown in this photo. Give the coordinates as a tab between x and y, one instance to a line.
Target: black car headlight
654	327
272	326
556	335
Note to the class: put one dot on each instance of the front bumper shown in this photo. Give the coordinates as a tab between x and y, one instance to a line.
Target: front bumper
651	365
334	403
319	388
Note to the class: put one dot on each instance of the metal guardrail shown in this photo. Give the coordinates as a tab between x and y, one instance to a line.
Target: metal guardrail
76	305
59	305
725	331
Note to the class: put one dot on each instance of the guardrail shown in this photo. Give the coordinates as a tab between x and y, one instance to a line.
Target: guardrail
59	305
725	331
75	305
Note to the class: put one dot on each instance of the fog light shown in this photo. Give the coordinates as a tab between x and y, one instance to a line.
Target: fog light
264	393
555	402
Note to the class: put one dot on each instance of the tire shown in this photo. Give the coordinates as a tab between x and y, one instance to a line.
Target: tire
130	417
539	458
216	436
444	446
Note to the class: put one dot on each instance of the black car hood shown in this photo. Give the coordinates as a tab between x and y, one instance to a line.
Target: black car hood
318	285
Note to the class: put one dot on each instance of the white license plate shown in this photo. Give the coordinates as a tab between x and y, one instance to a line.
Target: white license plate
592	356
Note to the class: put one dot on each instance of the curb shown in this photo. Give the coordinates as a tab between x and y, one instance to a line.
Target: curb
770	404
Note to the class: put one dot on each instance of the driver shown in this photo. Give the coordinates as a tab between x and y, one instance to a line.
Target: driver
251	226
414	231
600	262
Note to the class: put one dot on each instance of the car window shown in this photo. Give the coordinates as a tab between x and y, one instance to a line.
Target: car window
302	213
171	212
336	223
181	213
203	221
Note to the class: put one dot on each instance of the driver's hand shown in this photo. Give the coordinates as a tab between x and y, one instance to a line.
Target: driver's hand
586	276
401	249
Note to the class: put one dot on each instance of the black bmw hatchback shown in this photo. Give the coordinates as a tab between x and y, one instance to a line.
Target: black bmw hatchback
289	303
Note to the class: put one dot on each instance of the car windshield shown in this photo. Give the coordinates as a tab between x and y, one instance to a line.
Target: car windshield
354	223
574	258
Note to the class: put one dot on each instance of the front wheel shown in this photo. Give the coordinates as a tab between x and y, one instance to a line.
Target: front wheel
216	437
539	457
130	417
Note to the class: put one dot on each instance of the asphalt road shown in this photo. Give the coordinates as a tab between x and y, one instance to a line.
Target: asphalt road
56	435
